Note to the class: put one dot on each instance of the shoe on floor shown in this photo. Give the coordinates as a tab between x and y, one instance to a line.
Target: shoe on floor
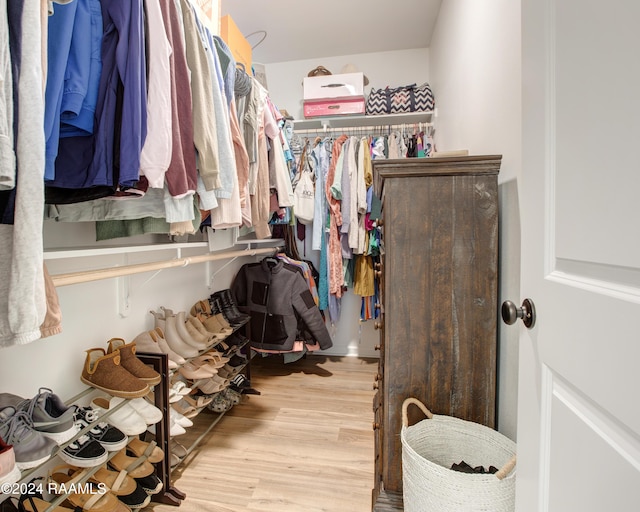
30	447
9	472
109	436
104	371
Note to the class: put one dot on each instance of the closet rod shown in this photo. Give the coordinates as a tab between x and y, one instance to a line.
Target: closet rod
361	129
127	270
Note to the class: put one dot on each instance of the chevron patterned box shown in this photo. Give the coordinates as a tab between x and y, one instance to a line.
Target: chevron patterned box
333	107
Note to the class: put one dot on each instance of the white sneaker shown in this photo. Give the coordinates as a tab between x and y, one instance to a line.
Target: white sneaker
125	418
149	412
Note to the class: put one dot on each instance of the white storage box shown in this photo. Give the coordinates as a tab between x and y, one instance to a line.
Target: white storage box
345	85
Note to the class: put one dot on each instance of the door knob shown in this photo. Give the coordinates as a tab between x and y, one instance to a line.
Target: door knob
511	313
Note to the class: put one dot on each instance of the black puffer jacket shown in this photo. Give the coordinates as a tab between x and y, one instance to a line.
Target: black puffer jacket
277	296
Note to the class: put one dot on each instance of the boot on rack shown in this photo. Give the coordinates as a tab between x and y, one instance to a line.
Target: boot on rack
218	308
214	323
173	337
230	309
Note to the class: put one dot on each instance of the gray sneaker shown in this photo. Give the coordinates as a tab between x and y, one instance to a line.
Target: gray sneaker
31	447
50	416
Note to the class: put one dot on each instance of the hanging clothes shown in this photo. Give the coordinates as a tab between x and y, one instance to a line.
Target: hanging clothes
355	176
187	134
279	177
122	82
334	255
22	289
205	124
306	273
155	157
276	295
181	176
7	153
60	32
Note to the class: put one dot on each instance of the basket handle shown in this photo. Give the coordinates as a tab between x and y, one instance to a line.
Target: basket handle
415	401
507	468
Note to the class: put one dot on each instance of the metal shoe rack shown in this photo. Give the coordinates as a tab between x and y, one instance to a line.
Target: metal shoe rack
170	495
36	471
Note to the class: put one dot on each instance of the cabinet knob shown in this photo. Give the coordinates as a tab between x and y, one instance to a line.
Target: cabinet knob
377	265
377	325
378	376
376	425
377	273
376	385
376	347
377	305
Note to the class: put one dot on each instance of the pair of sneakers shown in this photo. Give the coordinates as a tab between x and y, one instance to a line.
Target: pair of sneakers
98	439
35	427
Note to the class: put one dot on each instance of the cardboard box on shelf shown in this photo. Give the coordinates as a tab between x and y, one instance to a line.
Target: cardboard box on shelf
239	46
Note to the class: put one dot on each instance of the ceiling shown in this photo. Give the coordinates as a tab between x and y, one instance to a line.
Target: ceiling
301	29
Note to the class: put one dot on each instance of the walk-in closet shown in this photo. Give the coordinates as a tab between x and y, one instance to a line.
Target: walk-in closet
180	329
251	251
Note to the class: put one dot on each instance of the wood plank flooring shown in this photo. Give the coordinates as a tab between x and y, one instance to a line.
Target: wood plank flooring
305	444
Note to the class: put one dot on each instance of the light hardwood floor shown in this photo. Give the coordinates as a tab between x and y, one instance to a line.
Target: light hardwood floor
305	444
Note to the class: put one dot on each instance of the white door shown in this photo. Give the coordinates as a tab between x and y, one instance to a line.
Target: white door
579	382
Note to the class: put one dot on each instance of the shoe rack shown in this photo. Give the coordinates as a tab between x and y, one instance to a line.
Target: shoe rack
170	495
38	472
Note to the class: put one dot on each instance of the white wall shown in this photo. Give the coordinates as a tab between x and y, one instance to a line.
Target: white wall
382	69
284	79
90	311
475	76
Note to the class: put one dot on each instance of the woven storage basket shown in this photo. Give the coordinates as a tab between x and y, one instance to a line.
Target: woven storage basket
432	446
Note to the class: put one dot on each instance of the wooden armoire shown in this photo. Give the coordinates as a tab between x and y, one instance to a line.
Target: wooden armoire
438	277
